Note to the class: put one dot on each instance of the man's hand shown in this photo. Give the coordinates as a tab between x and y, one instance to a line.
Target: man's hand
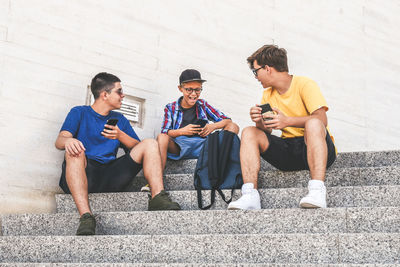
74	147
255	114
190	129
276	121
209	128
111	132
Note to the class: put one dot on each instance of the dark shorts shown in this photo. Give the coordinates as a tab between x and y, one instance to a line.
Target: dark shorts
114	176
290	154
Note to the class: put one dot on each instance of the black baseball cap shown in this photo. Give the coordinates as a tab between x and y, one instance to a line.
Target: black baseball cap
190	75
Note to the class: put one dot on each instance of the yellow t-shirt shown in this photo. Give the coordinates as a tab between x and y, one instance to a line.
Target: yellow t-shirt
303	98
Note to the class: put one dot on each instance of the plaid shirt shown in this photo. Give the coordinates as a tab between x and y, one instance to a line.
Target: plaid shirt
173	114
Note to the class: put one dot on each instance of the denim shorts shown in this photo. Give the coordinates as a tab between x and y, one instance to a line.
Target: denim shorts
190	147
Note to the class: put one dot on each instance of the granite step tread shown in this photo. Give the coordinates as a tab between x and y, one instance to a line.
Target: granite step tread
330	220
186	265
348	196
349	176
259	248
346	159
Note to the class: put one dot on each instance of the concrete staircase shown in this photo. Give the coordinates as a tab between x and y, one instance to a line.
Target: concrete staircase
360	227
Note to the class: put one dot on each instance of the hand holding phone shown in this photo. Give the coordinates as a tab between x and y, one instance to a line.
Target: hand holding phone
266	110
112	122
202	123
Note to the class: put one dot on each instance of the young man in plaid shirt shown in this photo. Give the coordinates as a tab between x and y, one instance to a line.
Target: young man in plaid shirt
182	134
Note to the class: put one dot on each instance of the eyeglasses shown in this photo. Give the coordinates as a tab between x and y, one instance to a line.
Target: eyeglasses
190	90
256	70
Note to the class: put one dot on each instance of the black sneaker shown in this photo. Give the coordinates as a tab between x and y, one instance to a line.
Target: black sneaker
87	225
162	202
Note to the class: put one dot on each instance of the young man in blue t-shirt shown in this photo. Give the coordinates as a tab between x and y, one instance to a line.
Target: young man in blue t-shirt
91	147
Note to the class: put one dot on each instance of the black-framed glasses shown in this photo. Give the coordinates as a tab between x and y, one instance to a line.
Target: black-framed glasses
256	70
191	90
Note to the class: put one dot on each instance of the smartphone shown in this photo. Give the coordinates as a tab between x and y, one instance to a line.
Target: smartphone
266	109
202	123
112	122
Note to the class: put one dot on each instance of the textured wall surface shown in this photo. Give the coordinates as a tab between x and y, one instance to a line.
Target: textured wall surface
49	51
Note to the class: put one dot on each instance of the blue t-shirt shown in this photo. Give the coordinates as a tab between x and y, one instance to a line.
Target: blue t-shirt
86	125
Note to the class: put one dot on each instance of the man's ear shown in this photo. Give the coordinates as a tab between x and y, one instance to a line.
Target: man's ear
180	88
104	95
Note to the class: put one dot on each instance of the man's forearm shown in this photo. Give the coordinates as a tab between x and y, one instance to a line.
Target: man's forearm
221	124
127	141
60	142
174	133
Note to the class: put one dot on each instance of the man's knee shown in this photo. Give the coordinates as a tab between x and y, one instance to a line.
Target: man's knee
232	127
314	126
253	134
250	133
79	158
146	145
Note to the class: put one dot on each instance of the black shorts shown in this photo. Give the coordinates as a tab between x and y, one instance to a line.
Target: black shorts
290	154
114	176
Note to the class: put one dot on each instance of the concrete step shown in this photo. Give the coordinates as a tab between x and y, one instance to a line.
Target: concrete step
350	176
186	265
350	196
261	248
272	221
346	159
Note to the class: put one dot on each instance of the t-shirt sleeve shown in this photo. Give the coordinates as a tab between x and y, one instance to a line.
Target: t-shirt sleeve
312	97
72	121
127	128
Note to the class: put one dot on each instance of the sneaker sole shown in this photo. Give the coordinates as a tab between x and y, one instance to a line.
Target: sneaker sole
235	208
310	206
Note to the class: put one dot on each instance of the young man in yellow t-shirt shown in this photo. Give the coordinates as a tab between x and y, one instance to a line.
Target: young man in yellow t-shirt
300	112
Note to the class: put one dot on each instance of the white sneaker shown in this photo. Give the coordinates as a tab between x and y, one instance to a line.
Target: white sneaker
250	199
316	197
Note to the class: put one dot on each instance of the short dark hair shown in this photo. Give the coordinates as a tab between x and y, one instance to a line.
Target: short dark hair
103	82
270	55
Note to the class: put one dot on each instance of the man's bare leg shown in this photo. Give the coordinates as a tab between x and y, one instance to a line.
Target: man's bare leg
166	144
317	149
77	181
147	153
317	155
253	143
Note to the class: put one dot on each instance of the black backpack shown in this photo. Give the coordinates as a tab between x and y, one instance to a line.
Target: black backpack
218	166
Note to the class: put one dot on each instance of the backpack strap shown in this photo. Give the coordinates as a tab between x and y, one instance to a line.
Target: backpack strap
224	155
200	199
237	182
213	147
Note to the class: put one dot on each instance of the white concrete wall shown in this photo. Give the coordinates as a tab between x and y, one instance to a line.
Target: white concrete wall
49	50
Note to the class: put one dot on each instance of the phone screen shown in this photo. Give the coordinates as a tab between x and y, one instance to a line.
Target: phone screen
112	122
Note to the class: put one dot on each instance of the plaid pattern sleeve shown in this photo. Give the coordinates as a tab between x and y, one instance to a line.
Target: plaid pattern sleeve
167	123
213	113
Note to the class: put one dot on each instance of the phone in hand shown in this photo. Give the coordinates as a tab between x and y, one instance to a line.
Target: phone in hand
112	122
266	109
202	123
